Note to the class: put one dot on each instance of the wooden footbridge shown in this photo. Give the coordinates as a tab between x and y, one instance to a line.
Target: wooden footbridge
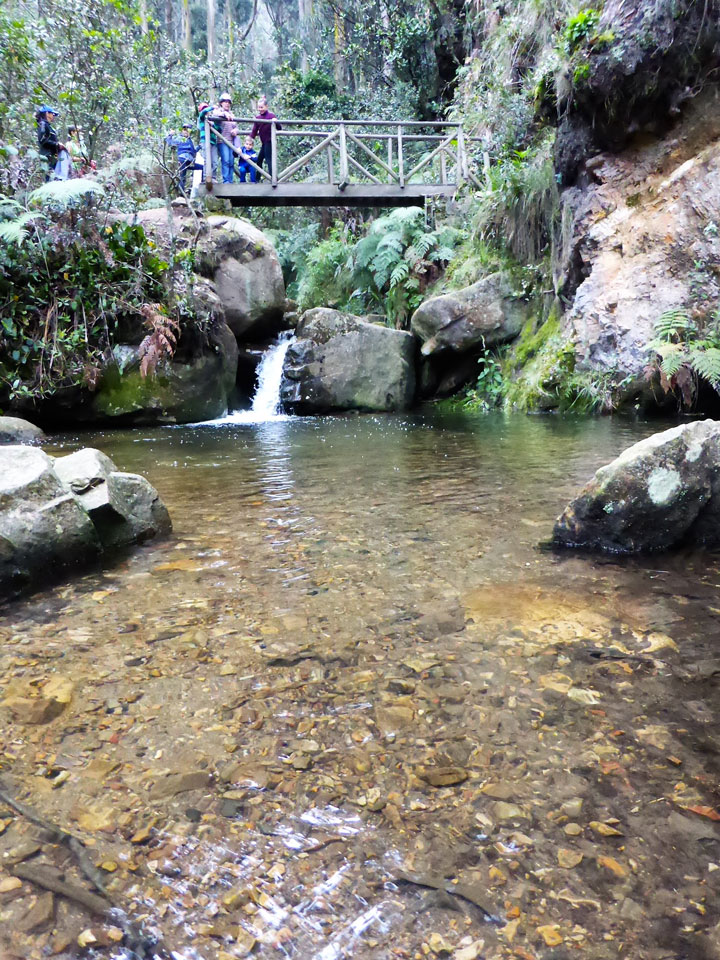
351	163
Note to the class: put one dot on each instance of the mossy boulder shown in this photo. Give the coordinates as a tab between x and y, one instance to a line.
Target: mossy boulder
181	391
658	493
482	315
342	362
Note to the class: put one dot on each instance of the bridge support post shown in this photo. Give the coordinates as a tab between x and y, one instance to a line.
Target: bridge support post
331	166
208	157
401	171
273	159
344	174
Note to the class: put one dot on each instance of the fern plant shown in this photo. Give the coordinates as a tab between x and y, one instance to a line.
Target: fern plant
682	355
398	258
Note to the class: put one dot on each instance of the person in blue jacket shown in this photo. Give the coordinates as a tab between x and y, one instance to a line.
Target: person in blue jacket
186	150
247	152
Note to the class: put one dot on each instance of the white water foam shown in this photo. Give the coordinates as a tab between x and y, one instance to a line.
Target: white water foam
266	402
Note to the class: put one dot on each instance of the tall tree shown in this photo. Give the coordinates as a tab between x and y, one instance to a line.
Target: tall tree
186	29
211	36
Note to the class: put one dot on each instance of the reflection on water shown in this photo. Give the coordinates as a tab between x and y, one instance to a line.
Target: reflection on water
353	631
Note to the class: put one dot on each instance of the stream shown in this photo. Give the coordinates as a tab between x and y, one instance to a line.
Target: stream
351	709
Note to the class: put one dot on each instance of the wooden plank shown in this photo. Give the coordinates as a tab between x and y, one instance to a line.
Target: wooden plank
208	171
401	174
344	174
390	155
331	168
273	159
326	195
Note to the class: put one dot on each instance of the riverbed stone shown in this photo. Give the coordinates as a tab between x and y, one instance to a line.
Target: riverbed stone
42	525
484	314
342	362
658	493
16	430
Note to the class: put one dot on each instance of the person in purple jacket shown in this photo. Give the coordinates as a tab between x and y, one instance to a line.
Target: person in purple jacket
263	130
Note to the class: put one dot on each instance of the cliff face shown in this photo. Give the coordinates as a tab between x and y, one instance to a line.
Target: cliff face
627	94
645	241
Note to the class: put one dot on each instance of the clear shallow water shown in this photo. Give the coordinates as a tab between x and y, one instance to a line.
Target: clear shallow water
345	604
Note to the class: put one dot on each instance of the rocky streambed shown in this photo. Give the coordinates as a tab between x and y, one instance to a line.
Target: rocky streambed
351	711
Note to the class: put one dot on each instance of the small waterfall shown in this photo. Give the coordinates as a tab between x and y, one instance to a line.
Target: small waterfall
266	401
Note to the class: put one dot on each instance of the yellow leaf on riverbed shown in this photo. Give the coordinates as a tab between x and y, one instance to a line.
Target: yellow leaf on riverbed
550	933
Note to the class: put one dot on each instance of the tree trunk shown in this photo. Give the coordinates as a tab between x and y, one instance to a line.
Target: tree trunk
385	18
186	30
169	20
143	16
304	12
211	39
339	53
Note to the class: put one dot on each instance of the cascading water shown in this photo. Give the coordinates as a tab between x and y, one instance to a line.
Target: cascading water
266	401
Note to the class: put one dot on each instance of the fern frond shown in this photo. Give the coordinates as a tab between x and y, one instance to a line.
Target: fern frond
65	192
16	231
672	363
706	364
673	324
400	272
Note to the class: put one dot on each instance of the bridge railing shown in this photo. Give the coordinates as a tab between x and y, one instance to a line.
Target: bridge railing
341	152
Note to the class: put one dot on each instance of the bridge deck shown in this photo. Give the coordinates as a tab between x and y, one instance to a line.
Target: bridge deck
328	195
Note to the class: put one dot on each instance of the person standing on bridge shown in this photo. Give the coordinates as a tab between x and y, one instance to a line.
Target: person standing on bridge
228	129
264	130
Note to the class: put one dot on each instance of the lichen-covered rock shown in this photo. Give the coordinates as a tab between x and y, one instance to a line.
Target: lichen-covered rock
341	362
658	493
481	315
56	513
15	430
42	525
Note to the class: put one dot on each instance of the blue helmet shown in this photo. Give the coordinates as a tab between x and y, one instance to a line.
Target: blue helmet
47	109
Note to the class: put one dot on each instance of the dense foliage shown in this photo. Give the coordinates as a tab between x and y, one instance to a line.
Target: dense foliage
387	270
69	282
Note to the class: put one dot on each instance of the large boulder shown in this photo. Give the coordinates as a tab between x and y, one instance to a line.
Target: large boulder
484	314
238	258
57	513
247	275
42	525
341	362
181	391
658	493
16	430
124	507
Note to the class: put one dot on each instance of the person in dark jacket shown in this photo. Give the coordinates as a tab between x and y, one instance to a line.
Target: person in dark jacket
265	133
186	150
49	146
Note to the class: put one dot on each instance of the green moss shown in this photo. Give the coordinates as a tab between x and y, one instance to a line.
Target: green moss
581	73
